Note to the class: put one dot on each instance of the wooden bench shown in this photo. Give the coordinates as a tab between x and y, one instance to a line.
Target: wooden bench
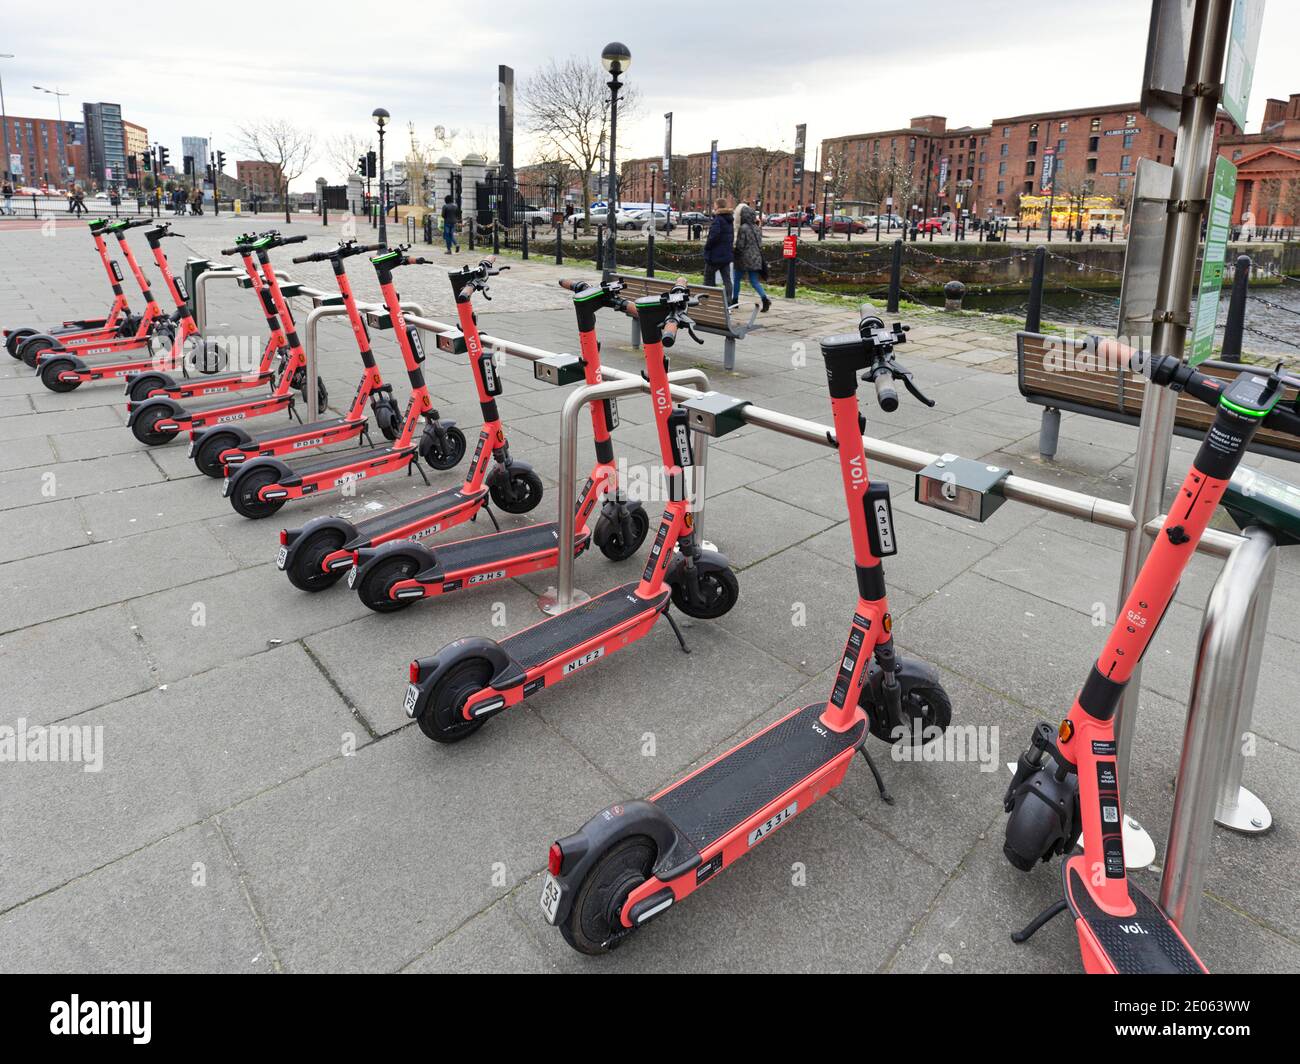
711	316
1059	374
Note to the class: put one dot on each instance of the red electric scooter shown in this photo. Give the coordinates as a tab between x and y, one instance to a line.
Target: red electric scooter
456	691
159	419
166	346
315	556
398	573
633	861
1067	782
119	321
226	447
33	347
142	386
260	487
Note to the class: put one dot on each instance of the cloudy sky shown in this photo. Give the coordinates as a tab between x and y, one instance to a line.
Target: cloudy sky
742	74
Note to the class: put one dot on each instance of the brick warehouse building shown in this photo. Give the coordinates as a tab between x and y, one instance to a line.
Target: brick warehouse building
1268	162
755	175
259	177
38	143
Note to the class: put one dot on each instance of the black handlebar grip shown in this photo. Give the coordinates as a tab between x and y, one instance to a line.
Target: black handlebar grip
300	259
886	394
670	333
572	285
232	251
300	238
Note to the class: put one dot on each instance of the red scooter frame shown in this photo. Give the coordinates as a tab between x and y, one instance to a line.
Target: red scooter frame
62	371
142	386
33	348
119	321
260	487
160	419
634	860
315	556
226	447
455	691
398	573
1071	784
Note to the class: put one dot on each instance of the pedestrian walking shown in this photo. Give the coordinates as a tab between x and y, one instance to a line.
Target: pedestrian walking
196	201
450	223
749	253
717	249
78	201
8	192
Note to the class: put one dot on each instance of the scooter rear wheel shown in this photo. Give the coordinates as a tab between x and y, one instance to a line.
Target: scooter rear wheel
719	590
142	386
50	376
594	919
142	428
207	456
377	582
441	720
306	572
30	350
244	498
14	341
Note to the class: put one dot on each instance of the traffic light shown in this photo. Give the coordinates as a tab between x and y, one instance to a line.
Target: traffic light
147	160
221	162
189	165
211	177
130	164
162	158
362	169
370	164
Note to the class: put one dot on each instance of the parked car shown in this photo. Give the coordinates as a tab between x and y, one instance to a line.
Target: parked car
642	219
840	223
931	225
693	218
540	215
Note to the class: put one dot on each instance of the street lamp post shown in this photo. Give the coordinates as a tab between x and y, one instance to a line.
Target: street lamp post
654	177
615	59
381	119
4	120
60	139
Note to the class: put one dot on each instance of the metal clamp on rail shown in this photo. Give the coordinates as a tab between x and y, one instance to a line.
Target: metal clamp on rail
559	369
960	486
715	414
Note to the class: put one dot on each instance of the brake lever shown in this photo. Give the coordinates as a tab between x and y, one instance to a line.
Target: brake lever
906	378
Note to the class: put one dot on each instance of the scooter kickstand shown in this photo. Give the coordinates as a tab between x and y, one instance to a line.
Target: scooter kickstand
1038	921
424	476
488	510
676	631
875	773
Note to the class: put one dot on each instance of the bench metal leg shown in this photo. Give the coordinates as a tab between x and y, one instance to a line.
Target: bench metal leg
636	334
729	353
1049	432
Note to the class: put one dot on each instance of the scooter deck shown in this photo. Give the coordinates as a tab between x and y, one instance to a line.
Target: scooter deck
726	792
554	636
323	463
328	425
508	546
220	380
194	409
411	513
1145	943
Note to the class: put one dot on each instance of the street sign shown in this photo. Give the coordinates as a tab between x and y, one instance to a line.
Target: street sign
1168	40
790	247
1147	220
1217	227
1243	45
796	166
713	167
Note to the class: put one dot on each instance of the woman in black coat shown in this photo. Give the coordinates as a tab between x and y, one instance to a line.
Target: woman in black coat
717	248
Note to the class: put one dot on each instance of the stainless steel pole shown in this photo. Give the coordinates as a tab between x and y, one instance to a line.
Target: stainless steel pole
1222	661
1172	316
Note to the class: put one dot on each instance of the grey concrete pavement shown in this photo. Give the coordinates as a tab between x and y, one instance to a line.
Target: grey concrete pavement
263	804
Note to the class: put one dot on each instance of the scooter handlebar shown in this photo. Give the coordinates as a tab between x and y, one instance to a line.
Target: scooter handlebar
570	284
886	393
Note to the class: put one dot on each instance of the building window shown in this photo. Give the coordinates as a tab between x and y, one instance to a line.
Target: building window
1236	155
1033	148
1095	125
1130	120
1002	167
1093	142
1062	127
1060	146
1006	131
1033	129
1029	187
1124	161
1091	166
1029	168
1160	141
1123	184
1128	140
1002	188
1005	149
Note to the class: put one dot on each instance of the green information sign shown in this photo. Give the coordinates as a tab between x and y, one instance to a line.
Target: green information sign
1217	227
1243	45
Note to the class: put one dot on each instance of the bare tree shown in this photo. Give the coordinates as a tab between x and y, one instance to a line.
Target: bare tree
279	141
343	153
760	163
565	105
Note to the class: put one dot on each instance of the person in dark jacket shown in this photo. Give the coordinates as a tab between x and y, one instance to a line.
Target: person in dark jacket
717	248
450	221
749	252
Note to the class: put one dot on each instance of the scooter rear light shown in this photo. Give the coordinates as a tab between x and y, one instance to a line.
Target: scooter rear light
555	859
284	537
414	673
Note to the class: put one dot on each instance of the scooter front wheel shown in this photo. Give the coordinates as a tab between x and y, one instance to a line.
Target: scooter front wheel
442	719
307	573
518	492
718	591
926	712
612	545
594	925
446	453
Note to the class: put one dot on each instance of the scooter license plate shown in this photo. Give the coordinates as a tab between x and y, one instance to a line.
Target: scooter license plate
352	577
281	558
412	696
551	892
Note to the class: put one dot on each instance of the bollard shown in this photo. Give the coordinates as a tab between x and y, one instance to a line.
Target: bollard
524	240
895	276
650	255
1232	328
473	224
324	212
877	229
791	279
600	247
496	235
559	244
1034	315
953	292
